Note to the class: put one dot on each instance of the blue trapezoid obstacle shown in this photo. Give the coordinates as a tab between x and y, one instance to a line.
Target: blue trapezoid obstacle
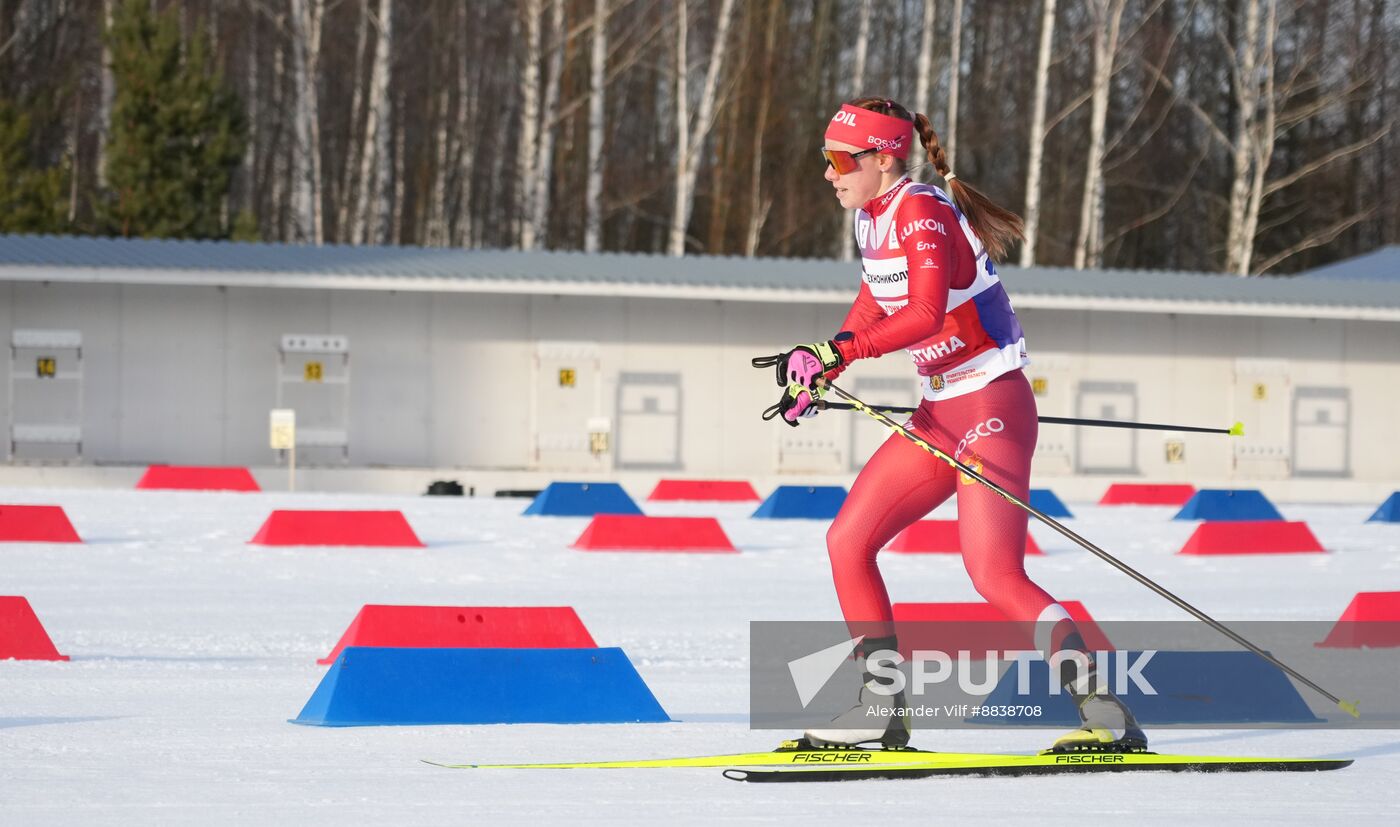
384	686
1048	503
802	502
1190	688
582	499
1389	512
1224	505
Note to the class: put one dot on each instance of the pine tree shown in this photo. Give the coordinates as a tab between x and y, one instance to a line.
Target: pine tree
177	131
31	200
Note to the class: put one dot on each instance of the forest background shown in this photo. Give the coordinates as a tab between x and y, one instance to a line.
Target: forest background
1239	136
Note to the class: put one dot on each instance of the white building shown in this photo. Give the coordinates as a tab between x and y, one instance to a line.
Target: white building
512	368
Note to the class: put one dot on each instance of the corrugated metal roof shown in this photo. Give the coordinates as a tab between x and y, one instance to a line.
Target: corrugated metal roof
1377	265
418	268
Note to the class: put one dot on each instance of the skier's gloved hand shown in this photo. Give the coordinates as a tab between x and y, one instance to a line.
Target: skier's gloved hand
805	364
797	402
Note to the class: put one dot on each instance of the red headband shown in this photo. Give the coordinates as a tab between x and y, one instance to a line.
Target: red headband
864	127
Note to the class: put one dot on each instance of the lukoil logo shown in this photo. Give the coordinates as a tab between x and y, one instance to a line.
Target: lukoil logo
847	118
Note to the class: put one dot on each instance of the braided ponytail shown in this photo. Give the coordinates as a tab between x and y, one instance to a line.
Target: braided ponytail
997	227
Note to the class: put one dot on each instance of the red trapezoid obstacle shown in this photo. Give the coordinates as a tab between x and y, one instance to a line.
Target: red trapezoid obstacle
465	627
1252	537
36	524
626	532
1371	619
22	636
1146	493
977	627
939	537
706	490
337	528
197	478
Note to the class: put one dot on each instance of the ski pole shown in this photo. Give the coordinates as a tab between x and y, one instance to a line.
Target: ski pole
1347	706
1236	430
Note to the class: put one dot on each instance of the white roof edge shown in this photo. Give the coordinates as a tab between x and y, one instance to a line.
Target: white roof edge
1026	299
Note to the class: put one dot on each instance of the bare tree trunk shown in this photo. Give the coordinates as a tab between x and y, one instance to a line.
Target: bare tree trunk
1088	249
758	207
950	137
374	201
465	159
544	160
593	190
347	215
691	137
435	227
923	96
1037	149
848	238
1246	101
306	158
530	119
105	96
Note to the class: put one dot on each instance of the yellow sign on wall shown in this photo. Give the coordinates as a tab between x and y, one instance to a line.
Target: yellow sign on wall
46	367
313	371
567	377
1176	451
1261	391
1039	385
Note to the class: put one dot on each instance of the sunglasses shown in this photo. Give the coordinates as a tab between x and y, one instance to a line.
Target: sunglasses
845	162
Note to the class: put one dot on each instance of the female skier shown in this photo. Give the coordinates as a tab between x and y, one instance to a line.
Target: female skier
928	285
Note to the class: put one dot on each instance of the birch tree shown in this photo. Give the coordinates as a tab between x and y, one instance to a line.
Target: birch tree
374	203
1105	17
758	206
950	136
106	90
544	158
1037	142
529	119
691	135
307	224
593	189
848	238
923	84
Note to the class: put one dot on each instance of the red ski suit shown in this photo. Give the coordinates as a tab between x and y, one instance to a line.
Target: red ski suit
978	406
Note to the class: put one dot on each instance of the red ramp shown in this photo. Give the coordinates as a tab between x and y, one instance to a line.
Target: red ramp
706	490
1371	619
1146	493
337	528
977	627
939	537
36	524
1252	537
196	478
22	636
626	532
465	627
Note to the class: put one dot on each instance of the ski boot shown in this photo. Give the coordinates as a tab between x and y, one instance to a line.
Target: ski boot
1105	725
858	726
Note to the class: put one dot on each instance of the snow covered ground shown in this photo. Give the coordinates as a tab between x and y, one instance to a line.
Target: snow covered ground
191	649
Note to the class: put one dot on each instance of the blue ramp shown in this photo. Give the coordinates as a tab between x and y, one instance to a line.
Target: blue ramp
1048	503
1191	688
582	499
1389	512
1223	505
382	686
802	502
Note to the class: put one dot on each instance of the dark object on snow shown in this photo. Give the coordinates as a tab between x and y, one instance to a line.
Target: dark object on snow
445	488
